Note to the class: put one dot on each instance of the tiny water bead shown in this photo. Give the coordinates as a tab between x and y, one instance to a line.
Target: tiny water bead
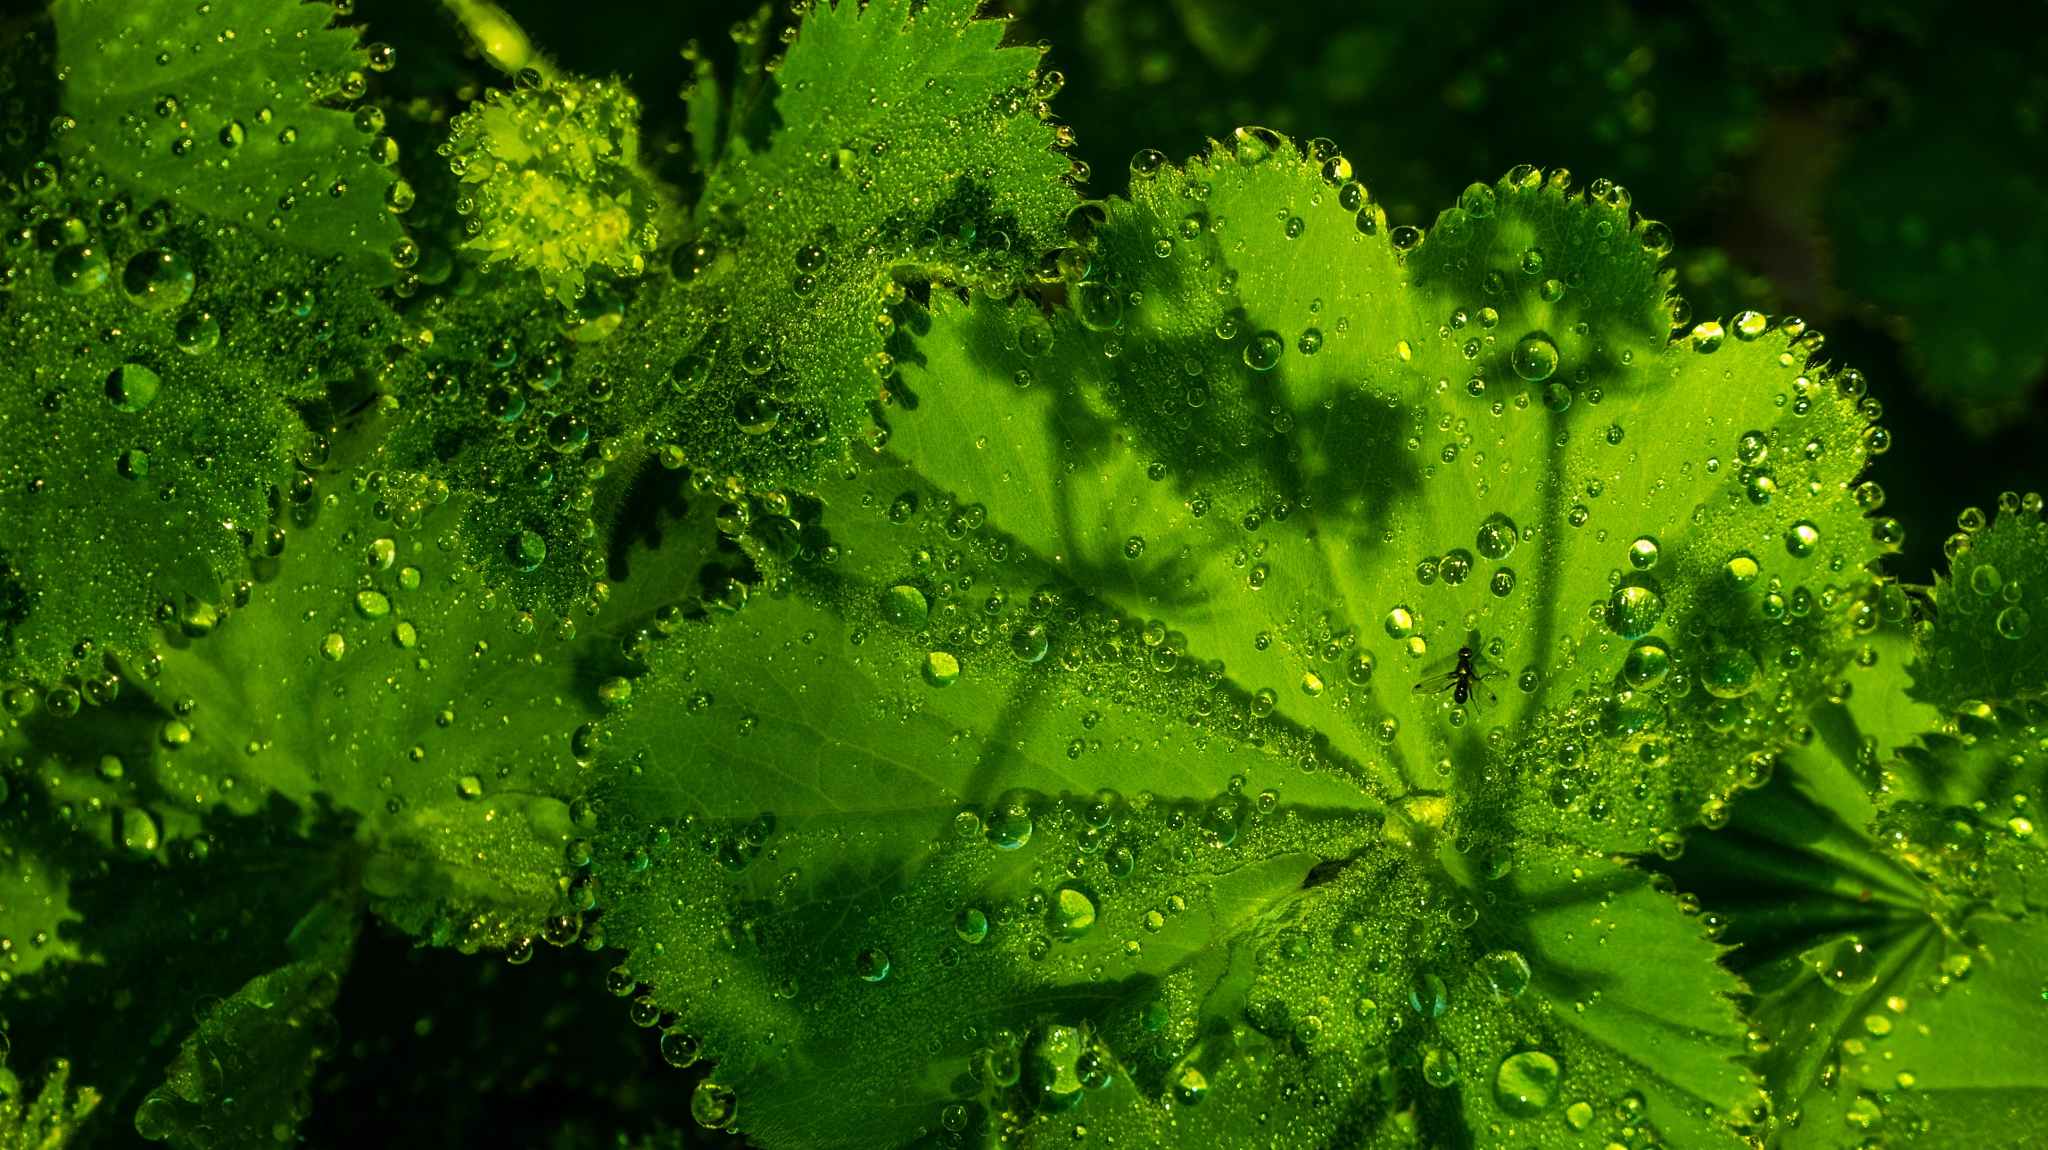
1643	554
1497	537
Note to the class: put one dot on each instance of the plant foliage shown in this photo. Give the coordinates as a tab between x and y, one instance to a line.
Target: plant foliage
1211	665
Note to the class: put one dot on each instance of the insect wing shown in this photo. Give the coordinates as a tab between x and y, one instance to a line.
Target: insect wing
1436	684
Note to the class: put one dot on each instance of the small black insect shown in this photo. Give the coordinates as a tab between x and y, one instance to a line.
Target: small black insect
1466	682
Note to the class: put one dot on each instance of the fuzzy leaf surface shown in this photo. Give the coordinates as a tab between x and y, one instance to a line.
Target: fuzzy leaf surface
232	110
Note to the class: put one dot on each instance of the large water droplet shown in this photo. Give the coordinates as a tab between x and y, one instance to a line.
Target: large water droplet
1071	912
132	387
1098	306
1729	673
1633	611
1847	966
1507	972
1526	1084
80	269
1497	537
905	606
526	550
872	965
713	1106
1535	358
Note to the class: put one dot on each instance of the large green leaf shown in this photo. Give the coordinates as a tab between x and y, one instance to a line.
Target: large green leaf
943	659
1330	458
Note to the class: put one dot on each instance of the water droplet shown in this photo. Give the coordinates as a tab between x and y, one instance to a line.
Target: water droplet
1707	337
1802	539
1071	912
1030	643
971	925
1741	569
1439	1067
1401	623
1634	610
755	413
1646	664
1526	1084
1847	967
689	373
2013	622
1497	537
1729	673
1262	351
80	269
1507	971
905	606
713	1106
1750	324
872	965
1642	554
526	550
1098	306
1535	358
132	387
157	280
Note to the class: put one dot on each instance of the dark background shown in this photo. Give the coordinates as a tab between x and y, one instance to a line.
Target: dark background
1867	166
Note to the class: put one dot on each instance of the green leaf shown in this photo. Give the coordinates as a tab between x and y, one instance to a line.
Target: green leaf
1885	963
1298	445
240	1077
229	111
804	801
891	140
1981	646
51	1120
374	672
848	761
143	463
